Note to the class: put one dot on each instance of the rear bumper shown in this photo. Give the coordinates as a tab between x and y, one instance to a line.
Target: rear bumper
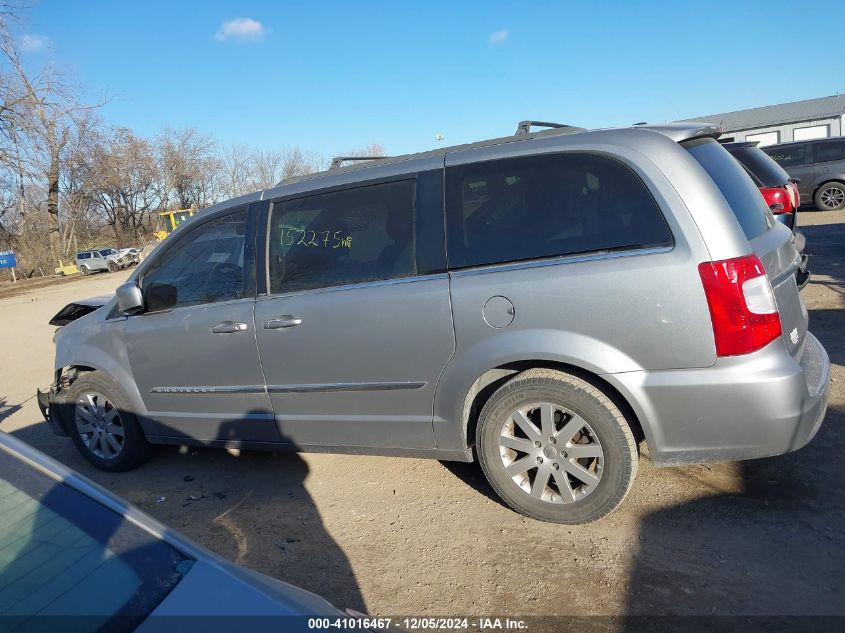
786	218
758	405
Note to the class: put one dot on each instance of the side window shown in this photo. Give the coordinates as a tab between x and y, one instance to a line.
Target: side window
344	237
205	266
829	150
787	156
546	206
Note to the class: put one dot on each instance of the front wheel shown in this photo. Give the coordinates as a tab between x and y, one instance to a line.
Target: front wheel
113	267
555	448
103	428
830	196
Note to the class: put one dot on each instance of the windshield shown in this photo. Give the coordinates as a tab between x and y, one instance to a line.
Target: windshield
736	186
62	553
107	251
180	217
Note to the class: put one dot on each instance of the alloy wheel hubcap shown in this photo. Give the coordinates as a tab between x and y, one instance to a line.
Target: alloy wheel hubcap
99	425
833	197
551	453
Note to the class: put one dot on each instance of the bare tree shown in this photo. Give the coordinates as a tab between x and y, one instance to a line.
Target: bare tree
237	170
296	162
245	170
79	179
373	149
39	110
267	168
127	183
189	166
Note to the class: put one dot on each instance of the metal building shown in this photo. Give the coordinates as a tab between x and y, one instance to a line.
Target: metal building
796	121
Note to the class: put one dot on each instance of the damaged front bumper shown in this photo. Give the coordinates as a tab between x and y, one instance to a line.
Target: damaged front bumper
53	406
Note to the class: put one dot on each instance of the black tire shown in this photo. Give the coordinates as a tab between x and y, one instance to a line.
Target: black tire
605	430
830	196
113	268
84	270
134	446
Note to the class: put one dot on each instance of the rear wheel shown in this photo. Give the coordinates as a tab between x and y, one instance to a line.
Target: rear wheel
113	267
103	429
84	270
555	448
830	196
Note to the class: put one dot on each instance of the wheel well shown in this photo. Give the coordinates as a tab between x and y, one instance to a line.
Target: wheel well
66	376
489	381
82	368
822	184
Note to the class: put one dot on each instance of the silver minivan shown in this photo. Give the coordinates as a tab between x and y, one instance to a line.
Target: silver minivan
543	303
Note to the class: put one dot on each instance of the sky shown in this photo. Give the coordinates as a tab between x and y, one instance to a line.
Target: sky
333	76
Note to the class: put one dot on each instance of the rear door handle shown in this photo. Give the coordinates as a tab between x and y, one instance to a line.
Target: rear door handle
279	322
228	327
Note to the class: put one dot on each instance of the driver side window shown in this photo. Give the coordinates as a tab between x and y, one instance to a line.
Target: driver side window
205	266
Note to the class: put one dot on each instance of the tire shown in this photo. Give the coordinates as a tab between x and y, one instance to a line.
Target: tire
582	418
93	393
113	268
84	270
830	196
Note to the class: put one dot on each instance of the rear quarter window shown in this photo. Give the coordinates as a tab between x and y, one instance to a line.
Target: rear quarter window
547	206
735	185
761	166
828	151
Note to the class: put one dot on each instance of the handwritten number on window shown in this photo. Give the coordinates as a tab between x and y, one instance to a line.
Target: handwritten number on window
309	238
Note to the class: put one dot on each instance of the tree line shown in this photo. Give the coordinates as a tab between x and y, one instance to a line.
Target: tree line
70	181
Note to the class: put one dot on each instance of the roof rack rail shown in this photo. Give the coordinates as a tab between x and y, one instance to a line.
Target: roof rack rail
338	161
524	127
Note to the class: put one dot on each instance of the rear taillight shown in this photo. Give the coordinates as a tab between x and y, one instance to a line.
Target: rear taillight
742	305
778	199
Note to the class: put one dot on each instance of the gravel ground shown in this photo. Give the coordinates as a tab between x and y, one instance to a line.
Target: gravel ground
416	537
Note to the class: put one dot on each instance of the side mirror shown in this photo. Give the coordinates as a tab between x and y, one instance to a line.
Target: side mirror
129	298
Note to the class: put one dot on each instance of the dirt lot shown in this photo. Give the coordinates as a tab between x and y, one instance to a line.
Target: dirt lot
404	536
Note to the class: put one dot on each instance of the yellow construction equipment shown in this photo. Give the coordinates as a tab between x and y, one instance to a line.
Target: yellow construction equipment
169	220
64	271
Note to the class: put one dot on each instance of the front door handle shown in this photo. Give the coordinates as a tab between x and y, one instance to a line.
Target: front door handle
228	327
279	322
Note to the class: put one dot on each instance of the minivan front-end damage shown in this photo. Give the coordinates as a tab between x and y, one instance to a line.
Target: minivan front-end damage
53	403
